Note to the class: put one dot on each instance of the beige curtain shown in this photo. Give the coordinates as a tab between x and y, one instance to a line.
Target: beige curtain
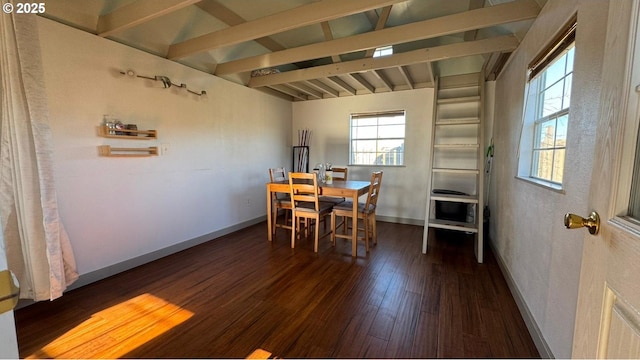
37	246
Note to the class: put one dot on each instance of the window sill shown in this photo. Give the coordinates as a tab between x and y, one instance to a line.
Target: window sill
541	183
387	166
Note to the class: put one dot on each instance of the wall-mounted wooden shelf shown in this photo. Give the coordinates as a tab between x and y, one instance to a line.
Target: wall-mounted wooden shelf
107	150
128	134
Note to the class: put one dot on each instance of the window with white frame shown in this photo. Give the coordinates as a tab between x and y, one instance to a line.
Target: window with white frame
545	122
377	138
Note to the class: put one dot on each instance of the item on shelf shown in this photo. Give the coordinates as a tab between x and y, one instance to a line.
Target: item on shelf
132	127
119	126
110	124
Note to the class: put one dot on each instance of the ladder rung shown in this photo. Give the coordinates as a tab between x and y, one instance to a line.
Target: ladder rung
458	100
456	171
453	225
456	146
467	199
458	121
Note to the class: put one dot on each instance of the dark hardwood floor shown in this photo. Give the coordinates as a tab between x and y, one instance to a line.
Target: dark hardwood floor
232	295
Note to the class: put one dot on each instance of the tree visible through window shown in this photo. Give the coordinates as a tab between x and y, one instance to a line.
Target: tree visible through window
377	138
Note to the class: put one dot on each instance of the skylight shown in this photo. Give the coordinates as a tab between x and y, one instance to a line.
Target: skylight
383	51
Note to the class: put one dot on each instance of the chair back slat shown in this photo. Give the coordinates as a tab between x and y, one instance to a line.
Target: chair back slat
277	174
340	173
374	189
304	189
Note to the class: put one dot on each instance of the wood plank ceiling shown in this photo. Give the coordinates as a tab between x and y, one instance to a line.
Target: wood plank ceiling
308	49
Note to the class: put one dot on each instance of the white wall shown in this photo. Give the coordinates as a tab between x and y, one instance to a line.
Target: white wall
540	255
403	192
213	177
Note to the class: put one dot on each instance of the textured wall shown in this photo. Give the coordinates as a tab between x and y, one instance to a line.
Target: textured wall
403	192
212	178
526	224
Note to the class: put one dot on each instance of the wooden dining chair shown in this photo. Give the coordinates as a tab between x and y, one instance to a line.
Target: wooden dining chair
340	173
366	212
306	205
279	201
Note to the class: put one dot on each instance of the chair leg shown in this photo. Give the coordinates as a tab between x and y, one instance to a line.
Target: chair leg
294	230
365	224
286	217
317	236
274	219
374	230
333	228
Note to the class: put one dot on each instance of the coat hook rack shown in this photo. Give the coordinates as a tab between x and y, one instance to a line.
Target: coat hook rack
166	82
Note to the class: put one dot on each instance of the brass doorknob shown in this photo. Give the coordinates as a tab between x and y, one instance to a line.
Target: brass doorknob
572	221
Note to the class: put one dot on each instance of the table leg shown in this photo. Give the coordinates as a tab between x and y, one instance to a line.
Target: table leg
269	229
354	225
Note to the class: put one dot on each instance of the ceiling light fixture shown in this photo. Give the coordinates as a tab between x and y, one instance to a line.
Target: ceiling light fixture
166	82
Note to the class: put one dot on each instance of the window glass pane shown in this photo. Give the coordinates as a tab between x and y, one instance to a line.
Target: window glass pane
366	132
558	166
364	145
364	121
543	164
555	72
390	145
391	131
545	134
561	131
566	99
391	120
570	55
552	99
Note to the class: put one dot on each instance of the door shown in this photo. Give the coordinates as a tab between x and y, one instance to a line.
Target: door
607	318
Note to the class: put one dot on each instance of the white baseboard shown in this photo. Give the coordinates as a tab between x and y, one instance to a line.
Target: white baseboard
532	326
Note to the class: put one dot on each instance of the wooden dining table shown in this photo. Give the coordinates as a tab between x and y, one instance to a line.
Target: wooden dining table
350	189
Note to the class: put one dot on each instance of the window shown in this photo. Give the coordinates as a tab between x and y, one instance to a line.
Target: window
377	138
544	135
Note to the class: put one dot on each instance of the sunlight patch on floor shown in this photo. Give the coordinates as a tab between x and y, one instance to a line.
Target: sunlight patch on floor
114	332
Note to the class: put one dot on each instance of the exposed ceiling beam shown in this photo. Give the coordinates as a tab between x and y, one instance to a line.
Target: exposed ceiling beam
306	90
343	84
497	44
480	18
382	77
319	85
289	91
328	35
382	21
276	93
230	18
406	76
137	13
499	65
362	81
471	34
432	73
313	13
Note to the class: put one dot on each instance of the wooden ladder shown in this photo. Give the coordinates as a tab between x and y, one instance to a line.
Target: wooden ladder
456	168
